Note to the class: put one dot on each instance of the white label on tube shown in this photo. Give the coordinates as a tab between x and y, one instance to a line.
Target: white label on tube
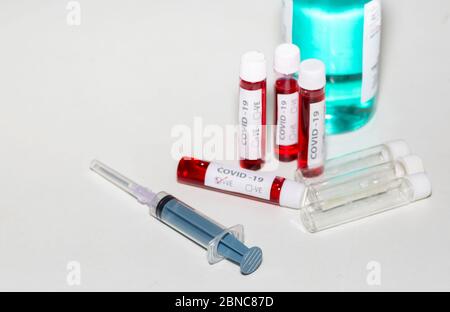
239	180
316	134
371	49
287	119
250	124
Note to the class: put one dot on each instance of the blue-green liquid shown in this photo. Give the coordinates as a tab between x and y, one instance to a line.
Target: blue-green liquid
332	31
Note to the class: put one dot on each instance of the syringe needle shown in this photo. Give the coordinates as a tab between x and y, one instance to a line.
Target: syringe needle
142	194
220	242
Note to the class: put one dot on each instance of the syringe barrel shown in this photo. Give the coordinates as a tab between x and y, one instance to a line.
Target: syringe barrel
185	219
220	242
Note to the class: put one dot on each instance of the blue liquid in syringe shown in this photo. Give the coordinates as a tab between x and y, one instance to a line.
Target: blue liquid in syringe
202	230
220	242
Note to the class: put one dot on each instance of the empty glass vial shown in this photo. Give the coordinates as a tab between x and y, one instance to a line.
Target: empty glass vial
345	35
362	183
358	160
396	193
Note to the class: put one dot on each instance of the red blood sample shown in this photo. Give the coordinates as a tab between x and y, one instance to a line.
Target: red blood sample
285	86
252	111
264	187
312	118
286	66
307	98
192	171
256	164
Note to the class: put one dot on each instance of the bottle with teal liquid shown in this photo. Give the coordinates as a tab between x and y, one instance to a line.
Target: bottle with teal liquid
345	35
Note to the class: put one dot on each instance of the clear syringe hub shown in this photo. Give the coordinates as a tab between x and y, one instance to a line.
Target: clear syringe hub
358	160
142	194
219	241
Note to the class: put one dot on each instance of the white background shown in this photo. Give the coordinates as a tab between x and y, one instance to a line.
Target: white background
114	87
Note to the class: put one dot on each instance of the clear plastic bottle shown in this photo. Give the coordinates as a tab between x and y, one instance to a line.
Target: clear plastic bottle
362	183
358	160
345	35
396	193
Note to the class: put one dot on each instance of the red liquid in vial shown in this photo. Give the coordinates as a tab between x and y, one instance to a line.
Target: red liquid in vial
307	98
285	86
194	171
256	164
275	190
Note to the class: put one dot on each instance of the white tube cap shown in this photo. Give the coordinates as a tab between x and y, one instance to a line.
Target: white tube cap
398	148
312	75
420	185
292	194
287	59
253	67
413	164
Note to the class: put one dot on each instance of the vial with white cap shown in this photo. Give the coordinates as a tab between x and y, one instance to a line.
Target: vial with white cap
261	186
361	159
277	190
361	183
252	110
311	133
286	66
396	193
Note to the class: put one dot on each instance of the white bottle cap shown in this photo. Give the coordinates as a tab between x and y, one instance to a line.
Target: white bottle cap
253	67
291	194
287	59
312	75
412	163
398	148
420	185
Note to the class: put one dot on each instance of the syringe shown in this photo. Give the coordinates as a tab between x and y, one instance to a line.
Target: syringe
220	242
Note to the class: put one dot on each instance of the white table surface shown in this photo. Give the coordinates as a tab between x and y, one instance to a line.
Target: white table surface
115	86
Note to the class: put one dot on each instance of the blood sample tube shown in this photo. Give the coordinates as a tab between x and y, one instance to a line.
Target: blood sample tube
252	110
312	118
241	182
287	62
